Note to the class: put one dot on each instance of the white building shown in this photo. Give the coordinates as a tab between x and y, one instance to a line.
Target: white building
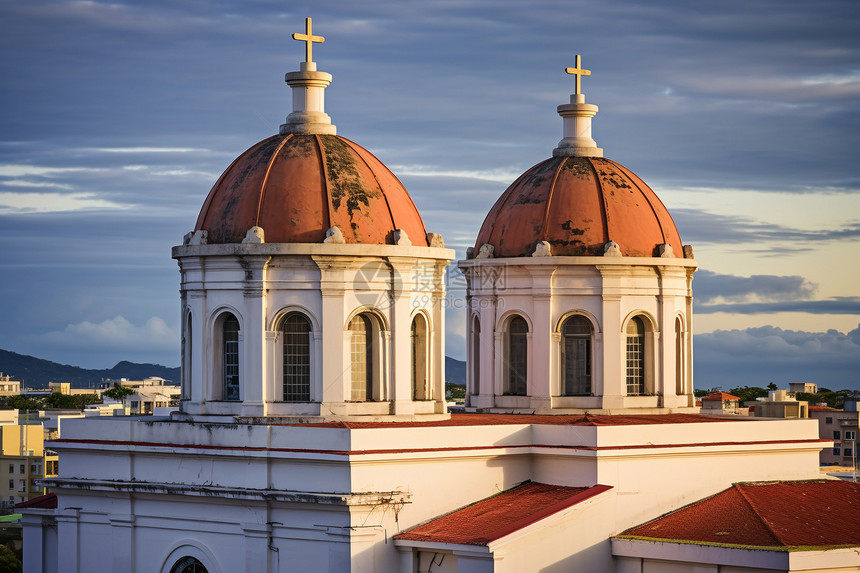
312	433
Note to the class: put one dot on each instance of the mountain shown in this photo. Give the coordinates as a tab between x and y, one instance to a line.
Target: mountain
36	373
455	371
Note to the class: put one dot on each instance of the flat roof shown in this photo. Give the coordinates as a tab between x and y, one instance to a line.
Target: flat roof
466	419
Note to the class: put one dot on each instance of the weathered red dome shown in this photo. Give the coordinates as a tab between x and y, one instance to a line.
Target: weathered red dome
578	204
297	186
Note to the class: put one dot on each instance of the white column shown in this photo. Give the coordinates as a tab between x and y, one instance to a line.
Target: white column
122	542
256	546
34	539
253	367
68	539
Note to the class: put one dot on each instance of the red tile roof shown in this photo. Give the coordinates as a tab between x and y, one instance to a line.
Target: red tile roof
720	396
500	515
555	420
782	514
47	501
820	408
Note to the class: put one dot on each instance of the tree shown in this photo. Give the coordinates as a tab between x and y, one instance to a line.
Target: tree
118	392
9	563
772	386
748	393
22	403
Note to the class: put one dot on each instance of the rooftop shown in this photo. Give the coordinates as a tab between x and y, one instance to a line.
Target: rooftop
781	515
508	419
720	396
495	517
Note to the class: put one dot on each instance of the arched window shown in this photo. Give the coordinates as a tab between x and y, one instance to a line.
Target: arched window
185	374
188	565
420	389
635	357
230	353
576	356
679	357
361	358
517	357
476	356
296	333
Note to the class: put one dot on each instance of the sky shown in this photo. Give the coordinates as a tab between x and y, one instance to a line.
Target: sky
743	115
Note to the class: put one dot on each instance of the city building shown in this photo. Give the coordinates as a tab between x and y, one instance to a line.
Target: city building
313	433
720	403
841	426
9	387
23	461
807	387
781	404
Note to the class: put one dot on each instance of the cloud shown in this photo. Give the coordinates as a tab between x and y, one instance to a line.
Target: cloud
12	203
116	334
700	226
835	305
711	286
756	356
147	150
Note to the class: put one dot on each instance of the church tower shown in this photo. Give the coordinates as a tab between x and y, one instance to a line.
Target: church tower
579	289
310	288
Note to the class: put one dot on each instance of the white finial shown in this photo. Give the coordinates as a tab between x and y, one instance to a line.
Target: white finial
308	87
577	116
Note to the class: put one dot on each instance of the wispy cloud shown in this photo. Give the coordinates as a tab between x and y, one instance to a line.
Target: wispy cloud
835	305
146	150
10	170
496	175
699	226
11	203
713	287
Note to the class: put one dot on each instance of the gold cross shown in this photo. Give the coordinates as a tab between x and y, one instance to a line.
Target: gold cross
309	40
578	72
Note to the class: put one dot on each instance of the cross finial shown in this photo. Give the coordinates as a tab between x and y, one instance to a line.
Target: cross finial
309	40
578	72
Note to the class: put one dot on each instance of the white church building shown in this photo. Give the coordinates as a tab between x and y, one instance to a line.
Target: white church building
313	433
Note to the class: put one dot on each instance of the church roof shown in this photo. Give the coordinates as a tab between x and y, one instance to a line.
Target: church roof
300	184
578	203
780	514
495	517
297	186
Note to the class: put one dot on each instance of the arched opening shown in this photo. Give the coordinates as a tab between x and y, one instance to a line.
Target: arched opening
516	354
577	336
296	335
636	357
420	387
476	356
230	355
188	565
680	360
185	374
361	358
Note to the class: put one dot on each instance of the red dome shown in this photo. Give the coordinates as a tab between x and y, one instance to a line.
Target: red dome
296	187
578	204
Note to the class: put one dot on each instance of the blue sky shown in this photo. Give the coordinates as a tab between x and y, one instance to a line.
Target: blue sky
744	116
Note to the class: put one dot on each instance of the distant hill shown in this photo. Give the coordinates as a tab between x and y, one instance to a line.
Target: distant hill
455	371
36	373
